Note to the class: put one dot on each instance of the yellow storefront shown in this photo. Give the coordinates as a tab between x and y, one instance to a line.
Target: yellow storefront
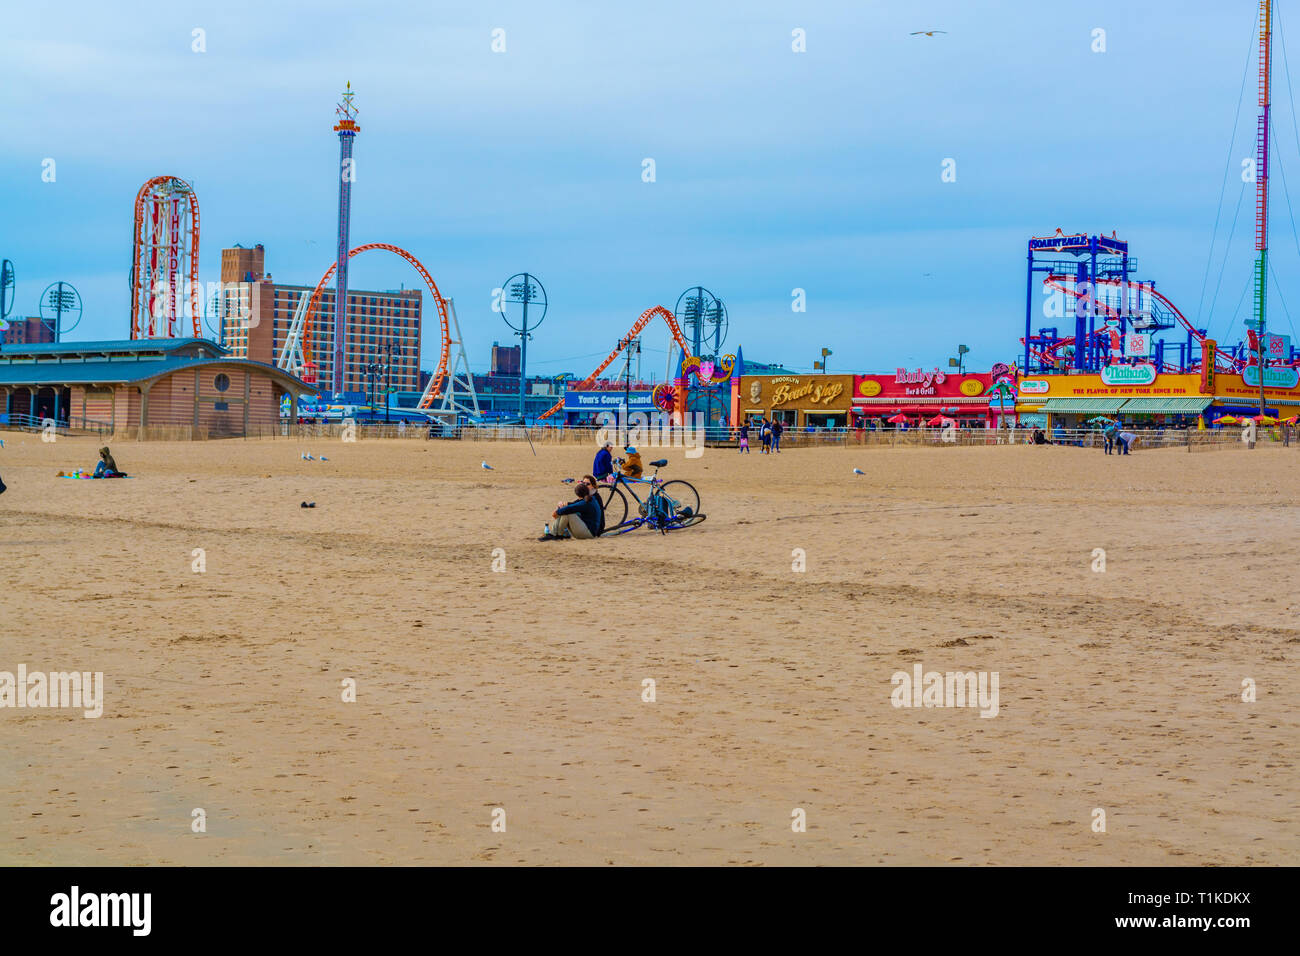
1238	394
1138	395
798	401
1121	392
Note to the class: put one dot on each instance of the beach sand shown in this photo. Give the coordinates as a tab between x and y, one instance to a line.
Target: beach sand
522	689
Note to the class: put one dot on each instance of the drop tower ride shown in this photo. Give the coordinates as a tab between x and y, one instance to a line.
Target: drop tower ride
347	129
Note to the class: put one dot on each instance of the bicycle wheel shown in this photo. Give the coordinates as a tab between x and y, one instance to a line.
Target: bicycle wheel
684	497
623	528
678	523
615	504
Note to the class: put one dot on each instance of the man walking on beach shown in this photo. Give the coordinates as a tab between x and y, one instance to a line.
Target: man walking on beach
777	428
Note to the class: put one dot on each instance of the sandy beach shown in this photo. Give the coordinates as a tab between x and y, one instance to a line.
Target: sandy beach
522	689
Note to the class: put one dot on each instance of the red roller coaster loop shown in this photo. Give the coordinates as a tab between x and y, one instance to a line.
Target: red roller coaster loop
440	375
159	244
637	326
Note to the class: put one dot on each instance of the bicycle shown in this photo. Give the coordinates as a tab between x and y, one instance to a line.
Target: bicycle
670	505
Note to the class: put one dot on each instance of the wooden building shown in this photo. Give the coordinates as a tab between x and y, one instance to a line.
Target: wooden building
141	383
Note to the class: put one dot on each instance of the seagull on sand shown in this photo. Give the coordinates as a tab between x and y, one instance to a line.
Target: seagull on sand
485	466
858	471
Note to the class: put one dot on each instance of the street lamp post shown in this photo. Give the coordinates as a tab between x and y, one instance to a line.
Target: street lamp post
822	364
390	347
373	368
959	363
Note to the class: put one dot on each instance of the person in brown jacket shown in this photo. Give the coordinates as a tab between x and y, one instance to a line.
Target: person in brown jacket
632	463
107	467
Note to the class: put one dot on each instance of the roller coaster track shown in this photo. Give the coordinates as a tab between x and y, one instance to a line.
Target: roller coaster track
434	389
1059	283
637	327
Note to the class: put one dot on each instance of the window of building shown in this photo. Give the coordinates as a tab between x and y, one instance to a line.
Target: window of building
221	382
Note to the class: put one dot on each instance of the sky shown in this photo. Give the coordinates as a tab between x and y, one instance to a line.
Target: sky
774	170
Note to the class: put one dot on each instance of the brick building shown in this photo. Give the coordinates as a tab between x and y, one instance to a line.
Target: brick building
27	331
374	320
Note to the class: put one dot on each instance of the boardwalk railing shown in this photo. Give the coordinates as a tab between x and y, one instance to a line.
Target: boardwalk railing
72	425
714	437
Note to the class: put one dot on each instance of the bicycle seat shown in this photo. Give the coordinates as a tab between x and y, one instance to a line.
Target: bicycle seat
660	463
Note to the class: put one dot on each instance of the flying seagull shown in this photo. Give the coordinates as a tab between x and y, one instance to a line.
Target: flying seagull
928	33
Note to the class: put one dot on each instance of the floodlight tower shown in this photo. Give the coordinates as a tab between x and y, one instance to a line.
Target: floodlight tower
347	129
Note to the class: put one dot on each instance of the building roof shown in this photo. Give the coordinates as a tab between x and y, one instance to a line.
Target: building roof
123	362
120	347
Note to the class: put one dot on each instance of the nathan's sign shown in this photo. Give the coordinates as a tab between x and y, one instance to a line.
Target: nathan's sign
818	393
1273	377
1128	374
1244	388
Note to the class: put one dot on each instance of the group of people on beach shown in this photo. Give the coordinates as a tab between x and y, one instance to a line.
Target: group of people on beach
583	518
769	434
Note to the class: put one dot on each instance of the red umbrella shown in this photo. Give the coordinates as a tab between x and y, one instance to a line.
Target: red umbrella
899	419
941	420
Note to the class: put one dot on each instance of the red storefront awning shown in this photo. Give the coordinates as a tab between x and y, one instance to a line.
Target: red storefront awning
928	411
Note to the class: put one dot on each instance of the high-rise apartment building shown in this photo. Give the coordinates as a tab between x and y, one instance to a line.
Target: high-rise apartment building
374	319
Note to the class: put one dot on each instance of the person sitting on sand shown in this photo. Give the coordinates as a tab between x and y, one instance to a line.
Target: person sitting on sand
107	467
632	464
594	487
604	463
577	519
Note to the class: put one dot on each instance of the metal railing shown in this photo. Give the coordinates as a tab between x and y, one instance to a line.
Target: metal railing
716	437
69	425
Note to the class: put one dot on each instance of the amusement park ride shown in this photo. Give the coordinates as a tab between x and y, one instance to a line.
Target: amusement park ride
165	241
1117	318
164	276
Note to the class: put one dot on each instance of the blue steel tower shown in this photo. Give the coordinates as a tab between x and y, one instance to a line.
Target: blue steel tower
347	129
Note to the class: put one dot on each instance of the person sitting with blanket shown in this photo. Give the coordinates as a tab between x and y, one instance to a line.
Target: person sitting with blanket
107	467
